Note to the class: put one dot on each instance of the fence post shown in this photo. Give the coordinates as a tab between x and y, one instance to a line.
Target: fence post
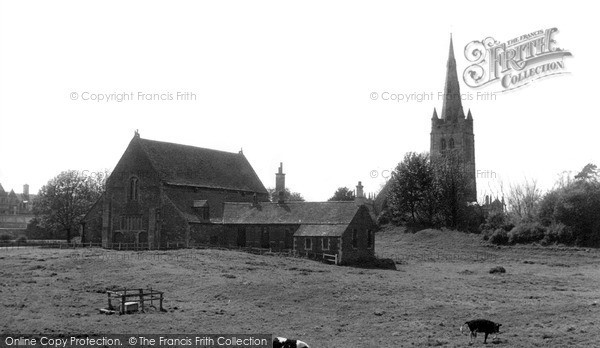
122	311
142	299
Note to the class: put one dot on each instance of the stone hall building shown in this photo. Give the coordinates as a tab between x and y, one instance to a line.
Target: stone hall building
161	194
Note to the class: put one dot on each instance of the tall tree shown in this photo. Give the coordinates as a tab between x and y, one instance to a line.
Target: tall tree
588	173
342	194
412	191
288	195
65	199
452	187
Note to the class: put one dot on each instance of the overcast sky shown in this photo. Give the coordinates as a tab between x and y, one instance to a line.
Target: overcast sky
286	81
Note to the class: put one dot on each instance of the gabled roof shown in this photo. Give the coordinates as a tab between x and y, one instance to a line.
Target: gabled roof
312	213
1	189
195	166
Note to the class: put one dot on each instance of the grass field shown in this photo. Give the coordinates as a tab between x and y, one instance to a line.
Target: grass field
548	297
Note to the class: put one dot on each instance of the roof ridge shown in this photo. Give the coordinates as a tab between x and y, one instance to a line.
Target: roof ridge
185	145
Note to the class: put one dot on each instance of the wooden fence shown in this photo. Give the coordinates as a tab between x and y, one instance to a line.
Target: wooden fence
333	258
139	296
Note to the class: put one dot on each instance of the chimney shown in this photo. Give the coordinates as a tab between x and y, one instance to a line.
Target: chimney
360	196
280	184
26	190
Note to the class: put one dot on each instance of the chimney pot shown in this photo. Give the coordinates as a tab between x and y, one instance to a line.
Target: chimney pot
280	184
360	196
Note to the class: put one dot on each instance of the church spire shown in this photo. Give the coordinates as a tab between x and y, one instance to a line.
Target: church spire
452	108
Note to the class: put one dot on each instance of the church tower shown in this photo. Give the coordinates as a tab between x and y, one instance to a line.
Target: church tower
453	131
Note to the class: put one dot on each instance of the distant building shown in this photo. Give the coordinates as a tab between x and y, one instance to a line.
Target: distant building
15	208
493	206
163	193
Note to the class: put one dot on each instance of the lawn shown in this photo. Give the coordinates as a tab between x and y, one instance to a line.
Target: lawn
548	297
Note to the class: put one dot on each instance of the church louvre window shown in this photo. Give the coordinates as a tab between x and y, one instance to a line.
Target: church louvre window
451	143
443	144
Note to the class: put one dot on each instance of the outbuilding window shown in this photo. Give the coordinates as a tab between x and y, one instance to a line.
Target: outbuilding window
325	243
308	244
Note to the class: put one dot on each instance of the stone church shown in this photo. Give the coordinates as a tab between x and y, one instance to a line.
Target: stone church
451	131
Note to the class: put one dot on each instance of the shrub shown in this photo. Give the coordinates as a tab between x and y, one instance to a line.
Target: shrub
526	232
508	226
384	218
487	233
471	219
499	237
497	269
558	233
21	239
5	238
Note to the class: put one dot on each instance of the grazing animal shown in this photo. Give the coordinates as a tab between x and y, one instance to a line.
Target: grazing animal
481	325
280	342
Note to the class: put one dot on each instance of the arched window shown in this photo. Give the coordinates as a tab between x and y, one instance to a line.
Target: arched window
443	144
133	189
451	143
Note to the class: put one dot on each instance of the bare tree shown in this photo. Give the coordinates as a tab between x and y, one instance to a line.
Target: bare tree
524	199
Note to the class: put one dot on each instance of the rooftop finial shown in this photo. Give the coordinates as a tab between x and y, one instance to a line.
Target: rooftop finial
136	134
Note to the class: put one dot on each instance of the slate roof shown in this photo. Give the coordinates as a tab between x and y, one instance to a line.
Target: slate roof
320	230
187	165
315	213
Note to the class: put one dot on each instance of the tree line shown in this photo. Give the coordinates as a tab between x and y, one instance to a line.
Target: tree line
433	193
